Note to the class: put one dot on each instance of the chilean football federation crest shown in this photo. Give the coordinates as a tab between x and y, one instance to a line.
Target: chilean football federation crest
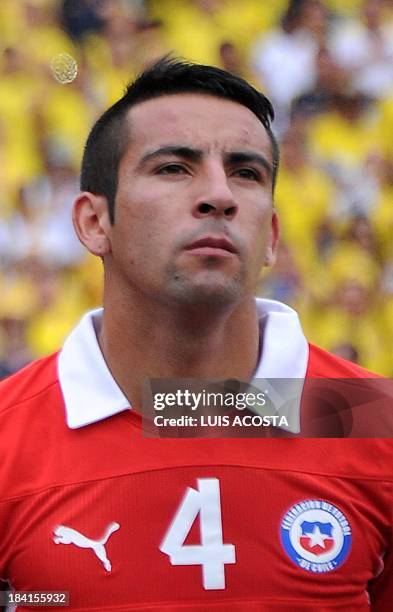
316	535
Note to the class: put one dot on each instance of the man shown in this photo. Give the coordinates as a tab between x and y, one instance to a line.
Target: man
177	184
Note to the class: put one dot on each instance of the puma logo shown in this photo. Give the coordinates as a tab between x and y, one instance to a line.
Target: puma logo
67	535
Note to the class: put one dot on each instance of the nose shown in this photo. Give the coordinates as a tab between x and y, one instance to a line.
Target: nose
215	197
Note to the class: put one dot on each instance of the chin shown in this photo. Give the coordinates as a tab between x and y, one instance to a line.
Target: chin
208	292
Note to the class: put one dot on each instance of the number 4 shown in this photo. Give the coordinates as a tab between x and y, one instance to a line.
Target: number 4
211	553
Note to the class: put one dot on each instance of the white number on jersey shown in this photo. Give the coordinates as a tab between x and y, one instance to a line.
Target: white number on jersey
211	553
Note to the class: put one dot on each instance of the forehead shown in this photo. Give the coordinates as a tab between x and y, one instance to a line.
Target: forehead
202	121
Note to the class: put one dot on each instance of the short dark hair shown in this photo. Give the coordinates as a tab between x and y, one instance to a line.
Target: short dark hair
109	137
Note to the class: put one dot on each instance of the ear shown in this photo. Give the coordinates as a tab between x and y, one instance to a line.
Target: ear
271	251
90	216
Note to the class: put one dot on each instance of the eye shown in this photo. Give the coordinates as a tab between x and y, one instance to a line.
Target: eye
172	169
247	173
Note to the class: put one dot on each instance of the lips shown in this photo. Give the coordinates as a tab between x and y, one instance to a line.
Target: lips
212	243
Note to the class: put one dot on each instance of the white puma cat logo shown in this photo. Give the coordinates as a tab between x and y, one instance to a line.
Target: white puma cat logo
67	535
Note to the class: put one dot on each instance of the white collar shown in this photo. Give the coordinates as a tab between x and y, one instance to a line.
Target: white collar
91	393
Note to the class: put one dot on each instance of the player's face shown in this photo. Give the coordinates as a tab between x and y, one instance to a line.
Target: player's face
193	213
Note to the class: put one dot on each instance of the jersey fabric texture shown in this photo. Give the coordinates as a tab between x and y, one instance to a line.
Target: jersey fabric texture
123	522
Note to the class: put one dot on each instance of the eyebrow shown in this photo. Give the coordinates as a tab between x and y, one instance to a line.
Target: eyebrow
245	157
195	155
188	153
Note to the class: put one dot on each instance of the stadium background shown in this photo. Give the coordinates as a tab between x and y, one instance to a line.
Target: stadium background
328	68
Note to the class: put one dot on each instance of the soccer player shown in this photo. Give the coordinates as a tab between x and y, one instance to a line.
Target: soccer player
177	199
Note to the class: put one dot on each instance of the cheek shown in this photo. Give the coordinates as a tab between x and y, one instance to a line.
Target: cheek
259	232
142	229
146	205
257	221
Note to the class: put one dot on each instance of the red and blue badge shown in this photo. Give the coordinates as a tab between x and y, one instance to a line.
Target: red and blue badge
316	535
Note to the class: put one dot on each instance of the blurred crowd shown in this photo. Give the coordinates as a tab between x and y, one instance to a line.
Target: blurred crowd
326	65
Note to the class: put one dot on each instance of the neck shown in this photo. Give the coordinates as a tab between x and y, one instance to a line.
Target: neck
144	340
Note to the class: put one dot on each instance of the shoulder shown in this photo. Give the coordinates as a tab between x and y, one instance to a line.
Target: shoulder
31	424
342	400
322	364
28	383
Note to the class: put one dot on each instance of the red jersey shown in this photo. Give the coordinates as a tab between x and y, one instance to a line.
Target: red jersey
124	522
